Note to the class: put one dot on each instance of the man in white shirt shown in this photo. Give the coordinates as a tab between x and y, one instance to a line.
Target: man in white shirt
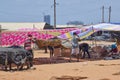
75	46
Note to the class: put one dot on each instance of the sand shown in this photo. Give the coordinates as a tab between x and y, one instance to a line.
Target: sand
85	70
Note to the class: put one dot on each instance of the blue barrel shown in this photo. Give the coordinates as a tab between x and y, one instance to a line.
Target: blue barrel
113	46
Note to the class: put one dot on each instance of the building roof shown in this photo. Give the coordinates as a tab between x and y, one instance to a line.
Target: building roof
69	26
11	26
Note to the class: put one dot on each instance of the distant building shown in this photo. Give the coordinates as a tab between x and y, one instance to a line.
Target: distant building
47	19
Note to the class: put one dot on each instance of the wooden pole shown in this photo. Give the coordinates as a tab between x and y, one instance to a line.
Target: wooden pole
95	36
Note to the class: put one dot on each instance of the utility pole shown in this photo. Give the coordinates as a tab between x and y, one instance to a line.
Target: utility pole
54	14
103	14
109	18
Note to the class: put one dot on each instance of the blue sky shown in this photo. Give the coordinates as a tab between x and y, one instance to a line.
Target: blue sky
87	11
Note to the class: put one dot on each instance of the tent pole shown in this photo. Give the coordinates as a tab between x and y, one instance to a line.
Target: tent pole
95	36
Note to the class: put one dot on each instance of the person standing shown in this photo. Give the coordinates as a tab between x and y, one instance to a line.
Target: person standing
75	46
28	47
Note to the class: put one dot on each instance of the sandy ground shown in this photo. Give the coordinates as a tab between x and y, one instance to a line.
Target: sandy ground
88	70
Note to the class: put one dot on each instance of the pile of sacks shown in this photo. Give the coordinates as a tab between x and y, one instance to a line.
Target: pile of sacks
51	42
54	42
99	51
